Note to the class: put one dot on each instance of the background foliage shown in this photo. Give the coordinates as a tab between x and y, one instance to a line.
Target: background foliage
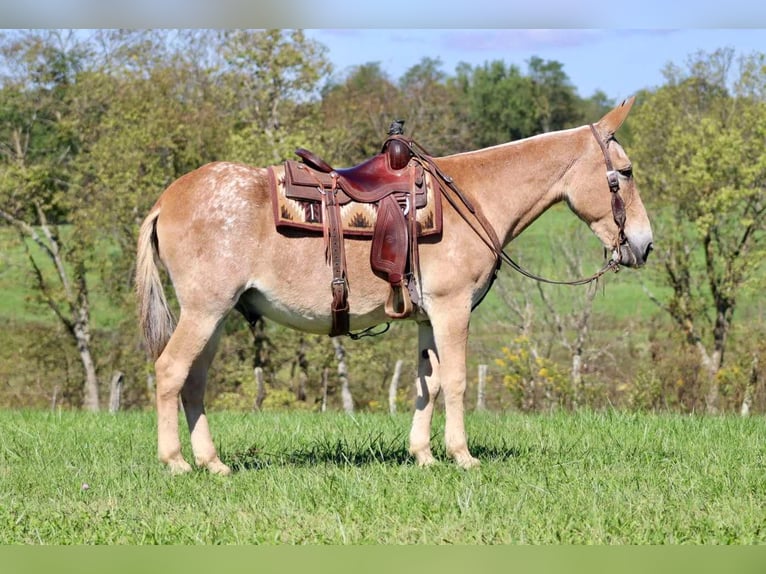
93	126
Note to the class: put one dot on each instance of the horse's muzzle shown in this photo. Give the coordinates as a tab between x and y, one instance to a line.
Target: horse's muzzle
635	253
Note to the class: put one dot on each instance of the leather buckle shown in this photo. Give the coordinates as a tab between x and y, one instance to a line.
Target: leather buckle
613	179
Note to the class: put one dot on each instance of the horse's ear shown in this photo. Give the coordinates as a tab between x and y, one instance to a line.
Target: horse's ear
611	122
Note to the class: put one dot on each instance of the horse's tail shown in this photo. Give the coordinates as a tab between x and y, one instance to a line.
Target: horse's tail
156	319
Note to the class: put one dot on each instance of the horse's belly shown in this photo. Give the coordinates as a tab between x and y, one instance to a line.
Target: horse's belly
309	312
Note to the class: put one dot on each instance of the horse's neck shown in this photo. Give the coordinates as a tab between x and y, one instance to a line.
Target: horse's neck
514	183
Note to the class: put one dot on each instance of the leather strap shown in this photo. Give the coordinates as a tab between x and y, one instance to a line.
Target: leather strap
612	178
337	256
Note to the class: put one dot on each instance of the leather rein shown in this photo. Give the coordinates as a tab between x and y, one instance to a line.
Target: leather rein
490	237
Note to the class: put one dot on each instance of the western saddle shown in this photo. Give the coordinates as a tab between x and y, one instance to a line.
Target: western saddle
393	183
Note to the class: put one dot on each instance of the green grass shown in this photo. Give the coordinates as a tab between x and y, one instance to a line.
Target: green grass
586	478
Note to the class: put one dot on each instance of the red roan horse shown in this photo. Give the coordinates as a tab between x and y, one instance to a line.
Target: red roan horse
213	230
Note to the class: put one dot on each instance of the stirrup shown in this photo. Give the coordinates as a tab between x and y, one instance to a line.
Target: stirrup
399	303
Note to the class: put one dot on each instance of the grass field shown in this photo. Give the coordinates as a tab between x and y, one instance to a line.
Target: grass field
585	478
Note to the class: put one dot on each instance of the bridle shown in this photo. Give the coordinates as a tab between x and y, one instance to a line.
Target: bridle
618	205
490	237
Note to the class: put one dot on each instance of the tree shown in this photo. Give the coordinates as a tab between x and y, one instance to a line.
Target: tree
553	321
37	183
358	112
499	101
432	109
700	149
553	94
272	80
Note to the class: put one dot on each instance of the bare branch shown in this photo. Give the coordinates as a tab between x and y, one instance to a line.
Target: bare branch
47	296
55	252
653	298
26	230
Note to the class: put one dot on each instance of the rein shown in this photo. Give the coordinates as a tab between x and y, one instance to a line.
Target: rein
489	237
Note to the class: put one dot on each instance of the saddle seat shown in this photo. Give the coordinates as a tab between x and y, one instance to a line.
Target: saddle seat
374	178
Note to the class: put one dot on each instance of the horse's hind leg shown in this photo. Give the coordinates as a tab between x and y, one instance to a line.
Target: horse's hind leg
192	395
187	354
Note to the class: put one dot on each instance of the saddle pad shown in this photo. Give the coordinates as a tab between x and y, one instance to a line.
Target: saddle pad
357	219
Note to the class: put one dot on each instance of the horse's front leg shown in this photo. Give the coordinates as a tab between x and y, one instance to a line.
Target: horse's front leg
441	367
451	338
428	387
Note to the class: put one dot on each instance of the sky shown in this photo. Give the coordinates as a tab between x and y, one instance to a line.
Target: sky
618	62
617	47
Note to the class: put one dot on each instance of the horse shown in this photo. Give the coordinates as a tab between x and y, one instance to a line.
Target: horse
213	231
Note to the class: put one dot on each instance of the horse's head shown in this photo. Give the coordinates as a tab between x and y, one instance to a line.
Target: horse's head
604	194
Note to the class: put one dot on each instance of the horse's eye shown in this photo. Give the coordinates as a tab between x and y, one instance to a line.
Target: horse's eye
626	172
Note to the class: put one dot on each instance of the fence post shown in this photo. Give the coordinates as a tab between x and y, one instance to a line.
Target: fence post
260	394
115	391
392	390
345	391
325	382
480	398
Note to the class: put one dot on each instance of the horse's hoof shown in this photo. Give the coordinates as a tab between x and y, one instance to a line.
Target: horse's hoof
426	461
179	466
219	468
424	457
467	461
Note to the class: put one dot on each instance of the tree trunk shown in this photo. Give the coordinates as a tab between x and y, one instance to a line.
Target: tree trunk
301	366
262	344
394	387
73	309
90	400
577	377
345	392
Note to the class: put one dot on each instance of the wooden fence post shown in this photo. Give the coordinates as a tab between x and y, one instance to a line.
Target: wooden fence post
115	391
325	382
345	392
480	398
260	394
392	390
750	388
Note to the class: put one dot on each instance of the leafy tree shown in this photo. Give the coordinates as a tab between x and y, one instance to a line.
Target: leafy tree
37	181
358	111
700	149
499	102
554	96
272	80
432	109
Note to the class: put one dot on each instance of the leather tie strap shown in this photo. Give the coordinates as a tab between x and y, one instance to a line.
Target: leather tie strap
339	285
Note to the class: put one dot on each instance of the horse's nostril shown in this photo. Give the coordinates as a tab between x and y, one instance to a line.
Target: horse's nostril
649	249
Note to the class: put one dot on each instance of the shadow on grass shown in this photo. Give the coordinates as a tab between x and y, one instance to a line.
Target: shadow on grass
342	452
